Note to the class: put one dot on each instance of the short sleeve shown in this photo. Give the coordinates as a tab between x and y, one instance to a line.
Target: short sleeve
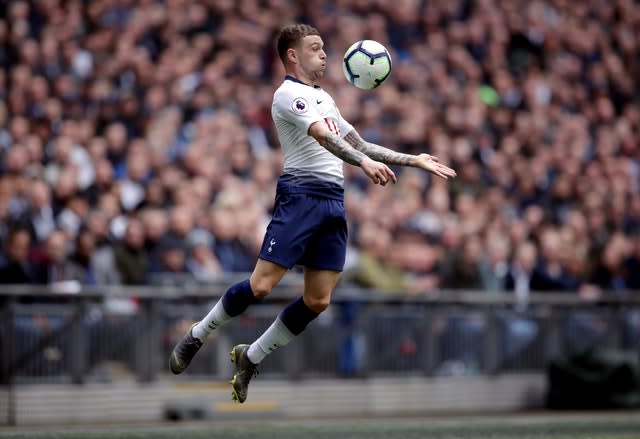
296	109
344	126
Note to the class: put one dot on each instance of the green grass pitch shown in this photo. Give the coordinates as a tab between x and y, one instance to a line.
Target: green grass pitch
551	426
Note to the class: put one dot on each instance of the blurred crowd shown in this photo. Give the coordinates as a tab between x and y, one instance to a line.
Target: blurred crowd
136	140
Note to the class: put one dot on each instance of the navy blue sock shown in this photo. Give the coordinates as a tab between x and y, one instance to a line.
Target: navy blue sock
296	316
238	298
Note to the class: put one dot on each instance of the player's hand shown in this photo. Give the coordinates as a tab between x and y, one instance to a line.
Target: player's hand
431	164
379	173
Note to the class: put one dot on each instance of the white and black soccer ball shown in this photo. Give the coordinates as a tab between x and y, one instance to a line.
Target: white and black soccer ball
366	64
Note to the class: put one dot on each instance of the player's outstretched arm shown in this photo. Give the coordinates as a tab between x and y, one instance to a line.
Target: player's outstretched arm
385	155
378	172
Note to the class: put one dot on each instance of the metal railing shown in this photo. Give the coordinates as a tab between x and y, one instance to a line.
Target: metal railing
103	335
68	337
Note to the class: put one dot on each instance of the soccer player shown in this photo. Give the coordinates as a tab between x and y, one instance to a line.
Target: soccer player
308	226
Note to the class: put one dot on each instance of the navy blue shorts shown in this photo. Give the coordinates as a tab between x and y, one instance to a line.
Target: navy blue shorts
308	227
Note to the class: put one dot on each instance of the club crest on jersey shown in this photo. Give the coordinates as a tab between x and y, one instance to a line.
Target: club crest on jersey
300	105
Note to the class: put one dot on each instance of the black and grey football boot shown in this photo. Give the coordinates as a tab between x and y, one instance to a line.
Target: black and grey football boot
245	371
184	352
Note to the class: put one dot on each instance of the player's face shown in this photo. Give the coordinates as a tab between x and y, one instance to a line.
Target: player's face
312	58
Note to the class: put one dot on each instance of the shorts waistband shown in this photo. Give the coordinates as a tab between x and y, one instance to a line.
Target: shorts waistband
290	184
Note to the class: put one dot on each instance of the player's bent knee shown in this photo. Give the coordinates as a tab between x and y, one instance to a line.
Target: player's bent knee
261	290
261	286
317	305
265	276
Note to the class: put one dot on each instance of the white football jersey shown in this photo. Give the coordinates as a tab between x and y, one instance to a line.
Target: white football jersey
295	107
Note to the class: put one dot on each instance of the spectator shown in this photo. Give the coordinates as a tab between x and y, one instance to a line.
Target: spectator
495	266
201	261
53	264
73	215
610	272
97	266
40	215
132	261
233	254
156	224
98	224
374	269
173	257
103	181
550	273
18	269
181	223
520	275
460	269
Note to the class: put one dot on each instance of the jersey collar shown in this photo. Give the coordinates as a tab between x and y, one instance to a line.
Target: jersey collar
294	79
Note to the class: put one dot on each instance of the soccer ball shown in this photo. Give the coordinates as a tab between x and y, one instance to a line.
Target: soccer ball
366	64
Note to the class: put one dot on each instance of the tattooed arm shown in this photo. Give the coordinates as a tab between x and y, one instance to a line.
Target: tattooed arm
379	153
377	171
385	155
341	149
